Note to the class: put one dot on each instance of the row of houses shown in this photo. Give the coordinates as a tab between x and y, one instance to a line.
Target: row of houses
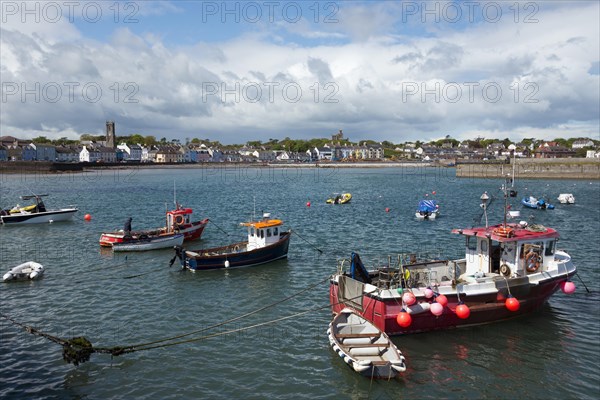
12	149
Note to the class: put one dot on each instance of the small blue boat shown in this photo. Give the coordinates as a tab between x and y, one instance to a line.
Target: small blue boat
538	204
427	209
266	242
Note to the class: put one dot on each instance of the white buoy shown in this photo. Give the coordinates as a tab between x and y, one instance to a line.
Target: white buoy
50	221
226	263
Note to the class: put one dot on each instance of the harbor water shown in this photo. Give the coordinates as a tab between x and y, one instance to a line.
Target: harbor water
124	299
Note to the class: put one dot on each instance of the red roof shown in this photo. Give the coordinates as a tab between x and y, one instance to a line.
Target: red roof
516	232
180	211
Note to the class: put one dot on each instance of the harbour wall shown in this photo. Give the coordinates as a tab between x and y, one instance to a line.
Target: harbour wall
532	168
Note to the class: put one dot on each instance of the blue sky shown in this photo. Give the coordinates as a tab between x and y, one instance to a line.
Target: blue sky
239	71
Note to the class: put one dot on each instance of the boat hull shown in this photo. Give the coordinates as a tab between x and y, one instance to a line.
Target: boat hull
150	244
191	231
484	308
39	218
234	255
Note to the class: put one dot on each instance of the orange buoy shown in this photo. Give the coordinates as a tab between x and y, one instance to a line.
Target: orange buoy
512	304
442	300
462	311
404	319
87	217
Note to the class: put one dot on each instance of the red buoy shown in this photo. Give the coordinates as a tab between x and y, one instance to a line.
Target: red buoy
512	304
442	300
308	204
404	319
462	311
387	209
87	217
433	192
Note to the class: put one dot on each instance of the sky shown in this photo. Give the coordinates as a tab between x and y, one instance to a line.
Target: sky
240	71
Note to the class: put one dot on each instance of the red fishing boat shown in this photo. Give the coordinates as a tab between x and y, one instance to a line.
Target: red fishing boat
178	221
508	270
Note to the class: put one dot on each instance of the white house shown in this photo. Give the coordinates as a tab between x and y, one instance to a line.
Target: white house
89	155
581	143
134	151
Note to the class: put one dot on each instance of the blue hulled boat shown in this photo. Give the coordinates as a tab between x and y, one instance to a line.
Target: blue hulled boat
266	242
538	204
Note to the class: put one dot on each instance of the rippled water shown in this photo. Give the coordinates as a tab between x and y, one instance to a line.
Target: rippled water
125	299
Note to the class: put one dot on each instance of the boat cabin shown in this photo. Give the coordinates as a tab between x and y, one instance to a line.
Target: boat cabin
177	217
263	233
508	250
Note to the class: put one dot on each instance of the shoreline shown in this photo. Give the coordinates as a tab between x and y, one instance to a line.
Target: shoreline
568	168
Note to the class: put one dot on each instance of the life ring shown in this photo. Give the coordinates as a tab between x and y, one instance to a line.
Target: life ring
532	261
505	270
179	220
504	232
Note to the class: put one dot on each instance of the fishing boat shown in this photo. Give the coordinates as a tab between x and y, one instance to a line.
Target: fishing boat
151	243
339	198
509	270
566	198
36	213
427	209
27	271
178	221
538	204
364	347
266	242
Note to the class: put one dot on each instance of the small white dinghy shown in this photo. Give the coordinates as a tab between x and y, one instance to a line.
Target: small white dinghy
566	198
364	347
25	271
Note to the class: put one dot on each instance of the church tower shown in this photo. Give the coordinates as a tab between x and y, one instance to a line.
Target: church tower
110	134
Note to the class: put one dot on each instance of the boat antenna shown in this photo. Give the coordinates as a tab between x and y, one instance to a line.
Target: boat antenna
254	210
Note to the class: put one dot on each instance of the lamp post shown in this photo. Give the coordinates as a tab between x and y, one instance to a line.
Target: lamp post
484	198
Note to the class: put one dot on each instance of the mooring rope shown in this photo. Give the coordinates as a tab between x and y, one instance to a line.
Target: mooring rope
78	349
218	227
309	243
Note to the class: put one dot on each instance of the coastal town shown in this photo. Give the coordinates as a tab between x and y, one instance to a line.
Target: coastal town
110	149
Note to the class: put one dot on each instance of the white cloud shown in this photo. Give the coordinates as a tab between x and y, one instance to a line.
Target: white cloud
546	64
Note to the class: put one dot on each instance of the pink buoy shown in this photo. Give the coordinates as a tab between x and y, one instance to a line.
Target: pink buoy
442	300
436	309
512	304
568	287
404	319
428	293
409	299
463	311
387	209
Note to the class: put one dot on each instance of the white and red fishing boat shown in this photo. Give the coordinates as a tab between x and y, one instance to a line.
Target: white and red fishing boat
178	221
508	270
